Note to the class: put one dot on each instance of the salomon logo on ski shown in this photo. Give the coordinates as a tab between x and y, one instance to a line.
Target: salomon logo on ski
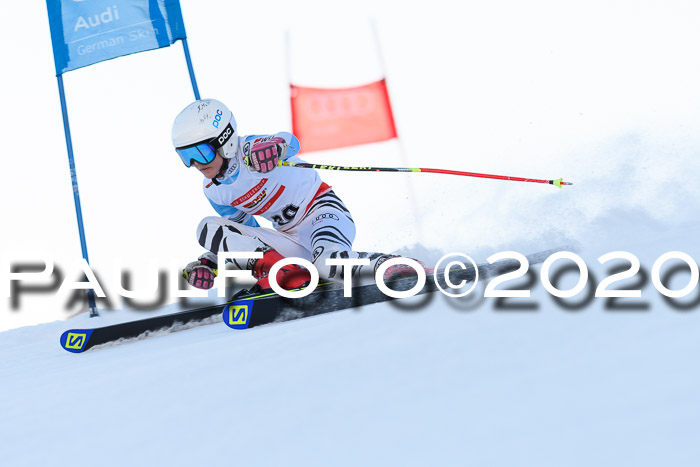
75	339
237	314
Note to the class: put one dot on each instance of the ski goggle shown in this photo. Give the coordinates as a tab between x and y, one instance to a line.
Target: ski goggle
204	152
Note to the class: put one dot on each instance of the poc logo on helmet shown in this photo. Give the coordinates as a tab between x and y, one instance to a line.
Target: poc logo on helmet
217	118
225	136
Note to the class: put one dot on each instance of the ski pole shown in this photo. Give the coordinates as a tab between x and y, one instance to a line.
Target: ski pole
558	182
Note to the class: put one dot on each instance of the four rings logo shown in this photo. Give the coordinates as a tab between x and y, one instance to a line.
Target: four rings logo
324	217
233	165
342	104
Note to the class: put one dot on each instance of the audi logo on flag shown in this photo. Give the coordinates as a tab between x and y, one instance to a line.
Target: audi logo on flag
352	103
334	118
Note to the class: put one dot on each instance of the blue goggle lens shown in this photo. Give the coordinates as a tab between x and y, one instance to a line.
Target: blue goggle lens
203	153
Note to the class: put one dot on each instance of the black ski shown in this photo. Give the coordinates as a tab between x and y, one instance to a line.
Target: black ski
80	340
268	308
249	310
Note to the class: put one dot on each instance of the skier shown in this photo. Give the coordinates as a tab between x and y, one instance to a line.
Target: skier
242	180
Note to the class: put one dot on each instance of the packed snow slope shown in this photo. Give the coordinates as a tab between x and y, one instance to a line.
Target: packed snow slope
453	382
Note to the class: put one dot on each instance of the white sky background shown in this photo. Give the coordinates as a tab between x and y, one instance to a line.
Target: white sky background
602	93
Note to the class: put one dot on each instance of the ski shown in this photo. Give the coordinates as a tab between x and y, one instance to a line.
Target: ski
245	311
266	306
248	312
80	340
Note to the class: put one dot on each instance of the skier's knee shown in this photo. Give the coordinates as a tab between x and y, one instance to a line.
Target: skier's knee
214	230
322	253
207	224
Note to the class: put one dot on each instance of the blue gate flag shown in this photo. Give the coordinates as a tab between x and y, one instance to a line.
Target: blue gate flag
84	32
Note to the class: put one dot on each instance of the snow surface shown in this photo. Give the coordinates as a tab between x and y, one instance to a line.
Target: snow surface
455	382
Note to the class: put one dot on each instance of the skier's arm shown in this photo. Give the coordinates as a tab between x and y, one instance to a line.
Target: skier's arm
266	151
292	144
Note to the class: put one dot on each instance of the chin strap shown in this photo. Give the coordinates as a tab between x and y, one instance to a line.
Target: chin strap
221	173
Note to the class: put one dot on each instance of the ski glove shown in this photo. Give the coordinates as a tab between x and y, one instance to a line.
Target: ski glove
265	154
201	273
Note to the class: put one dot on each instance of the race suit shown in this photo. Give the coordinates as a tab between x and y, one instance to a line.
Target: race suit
309	220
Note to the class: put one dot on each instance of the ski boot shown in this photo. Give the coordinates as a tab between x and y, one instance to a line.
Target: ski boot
399	270
290	276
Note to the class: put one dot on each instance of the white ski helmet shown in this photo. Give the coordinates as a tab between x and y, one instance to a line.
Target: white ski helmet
203	128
